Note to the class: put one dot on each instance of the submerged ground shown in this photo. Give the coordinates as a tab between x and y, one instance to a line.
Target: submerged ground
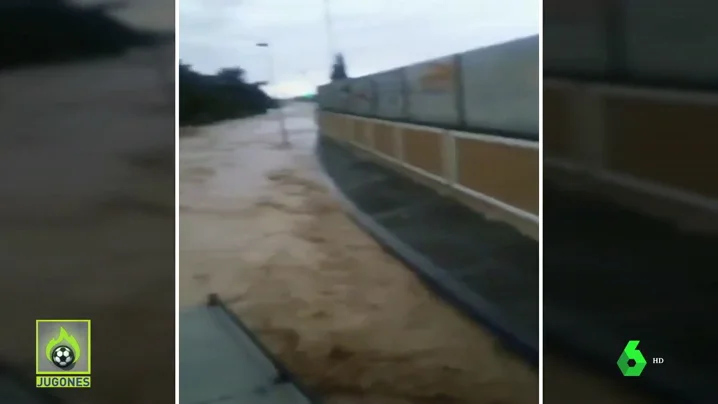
260	227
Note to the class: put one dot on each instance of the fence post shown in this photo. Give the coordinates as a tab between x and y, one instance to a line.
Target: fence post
614	28
405	94
459	91
373	97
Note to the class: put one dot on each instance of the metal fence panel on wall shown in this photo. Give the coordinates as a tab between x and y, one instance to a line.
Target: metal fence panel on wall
501	87
323	96
390	101
575	36
672	40
330	97
432	92
359	95
341	91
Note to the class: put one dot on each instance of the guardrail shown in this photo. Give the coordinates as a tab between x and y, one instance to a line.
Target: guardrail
494	170
623	140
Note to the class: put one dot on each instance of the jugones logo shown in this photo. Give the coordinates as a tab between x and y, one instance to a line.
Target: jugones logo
63	353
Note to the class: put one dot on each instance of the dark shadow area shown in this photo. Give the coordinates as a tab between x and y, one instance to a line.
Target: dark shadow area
57	31
87	195
208	98
486	268
612	275
17	388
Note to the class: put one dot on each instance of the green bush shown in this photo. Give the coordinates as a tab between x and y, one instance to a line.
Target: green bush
225	95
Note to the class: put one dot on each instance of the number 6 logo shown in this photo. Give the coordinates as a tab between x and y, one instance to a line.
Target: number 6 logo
630	352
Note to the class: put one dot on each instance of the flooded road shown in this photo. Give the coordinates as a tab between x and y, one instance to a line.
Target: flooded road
258	225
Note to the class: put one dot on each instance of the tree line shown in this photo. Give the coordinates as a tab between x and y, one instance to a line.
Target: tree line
205	98
36	32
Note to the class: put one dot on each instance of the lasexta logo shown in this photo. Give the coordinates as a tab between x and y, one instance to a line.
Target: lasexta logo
631	361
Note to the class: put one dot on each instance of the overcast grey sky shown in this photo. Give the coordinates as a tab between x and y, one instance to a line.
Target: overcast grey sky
374	35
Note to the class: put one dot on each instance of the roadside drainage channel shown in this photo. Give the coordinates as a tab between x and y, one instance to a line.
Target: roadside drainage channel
456	252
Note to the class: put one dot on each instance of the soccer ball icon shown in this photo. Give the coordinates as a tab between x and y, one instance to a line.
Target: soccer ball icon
63	357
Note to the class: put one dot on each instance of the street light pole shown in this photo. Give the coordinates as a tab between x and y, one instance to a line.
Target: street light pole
279	113
329	28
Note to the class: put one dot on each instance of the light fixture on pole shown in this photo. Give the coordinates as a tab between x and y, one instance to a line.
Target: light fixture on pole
329	31
279	113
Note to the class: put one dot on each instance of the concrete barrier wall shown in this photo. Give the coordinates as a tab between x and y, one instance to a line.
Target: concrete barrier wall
424	120
431	92
626	41
665	41
575	37
626	140
622	117
390	87
482	171
489	90
501	87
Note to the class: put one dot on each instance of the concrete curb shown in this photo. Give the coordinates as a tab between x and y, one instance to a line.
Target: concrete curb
283	374
452	291
591	354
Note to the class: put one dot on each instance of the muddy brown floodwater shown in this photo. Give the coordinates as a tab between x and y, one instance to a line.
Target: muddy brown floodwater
87	219
259	226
